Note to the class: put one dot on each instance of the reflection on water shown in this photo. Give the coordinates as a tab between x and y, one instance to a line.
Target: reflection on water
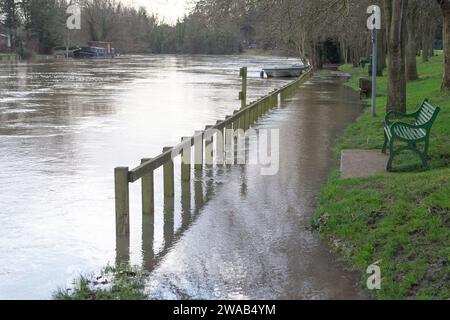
250	237
64	126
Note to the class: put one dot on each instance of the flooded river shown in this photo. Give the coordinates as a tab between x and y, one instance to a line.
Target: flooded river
63	128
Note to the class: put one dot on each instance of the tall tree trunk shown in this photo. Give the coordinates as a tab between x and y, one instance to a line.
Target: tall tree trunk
425	48
411	64
384	62
411	46
445	7
354	56
317	56
395	11
431	39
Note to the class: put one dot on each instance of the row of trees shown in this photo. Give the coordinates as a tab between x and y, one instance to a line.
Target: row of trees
40	25
317	30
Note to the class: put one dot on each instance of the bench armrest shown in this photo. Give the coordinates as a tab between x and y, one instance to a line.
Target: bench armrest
388	121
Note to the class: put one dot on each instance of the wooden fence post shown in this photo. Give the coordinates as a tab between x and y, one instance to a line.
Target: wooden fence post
148	200
208	146
238	122
252	115
168	176
198	150
122	202
243	93
219	147
247	119
228	142
186	160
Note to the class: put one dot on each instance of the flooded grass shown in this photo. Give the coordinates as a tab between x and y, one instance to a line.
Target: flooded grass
113	283
401	219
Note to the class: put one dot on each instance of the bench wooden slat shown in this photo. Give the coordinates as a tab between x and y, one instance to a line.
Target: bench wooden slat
427	113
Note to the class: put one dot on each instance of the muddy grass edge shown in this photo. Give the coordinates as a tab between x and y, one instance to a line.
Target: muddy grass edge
122	282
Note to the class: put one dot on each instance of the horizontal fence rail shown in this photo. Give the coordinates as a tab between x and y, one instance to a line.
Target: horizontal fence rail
202	141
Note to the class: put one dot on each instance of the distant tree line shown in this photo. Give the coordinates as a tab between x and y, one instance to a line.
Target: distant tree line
38	26
306	28
320	31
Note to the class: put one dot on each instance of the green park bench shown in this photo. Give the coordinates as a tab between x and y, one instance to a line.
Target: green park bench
363	61
415	131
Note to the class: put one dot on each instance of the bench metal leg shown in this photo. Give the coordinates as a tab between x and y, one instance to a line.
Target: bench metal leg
412	147
391	155
424	155
383	150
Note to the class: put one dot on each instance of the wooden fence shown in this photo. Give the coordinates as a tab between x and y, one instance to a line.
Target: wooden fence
202	141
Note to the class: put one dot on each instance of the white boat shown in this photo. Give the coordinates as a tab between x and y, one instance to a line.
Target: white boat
287	71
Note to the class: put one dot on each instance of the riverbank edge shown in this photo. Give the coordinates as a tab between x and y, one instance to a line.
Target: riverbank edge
401	222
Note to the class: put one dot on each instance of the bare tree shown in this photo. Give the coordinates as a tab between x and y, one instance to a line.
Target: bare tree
445	8
411	47
396	14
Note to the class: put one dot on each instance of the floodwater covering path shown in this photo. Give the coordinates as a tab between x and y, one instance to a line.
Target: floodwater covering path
65	125
251	238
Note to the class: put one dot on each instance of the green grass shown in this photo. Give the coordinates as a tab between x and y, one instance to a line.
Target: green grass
114	283
402	219
367	132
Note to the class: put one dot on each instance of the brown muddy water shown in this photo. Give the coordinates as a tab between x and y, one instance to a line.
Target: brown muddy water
63	128
250	238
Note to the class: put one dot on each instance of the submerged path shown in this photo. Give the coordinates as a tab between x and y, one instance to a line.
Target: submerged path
251	239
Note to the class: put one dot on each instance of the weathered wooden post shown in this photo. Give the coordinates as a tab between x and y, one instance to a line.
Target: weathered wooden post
185	204
243	121
169	221
198	150
186	181
238	122
148	202
208	146
228	142
252	115
220	146
264	105
122	202
243	93
186	160
148	232
169	188
247	119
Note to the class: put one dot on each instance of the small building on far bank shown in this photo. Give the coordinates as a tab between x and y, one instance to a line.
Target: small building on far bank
102	44
4	41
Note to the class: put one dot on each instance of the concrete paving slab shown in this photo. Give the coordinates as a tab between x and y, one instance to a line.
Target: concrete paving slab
362	163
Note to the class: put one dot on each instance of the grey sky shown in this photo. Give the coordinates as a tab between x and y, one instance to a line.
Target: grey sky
170	10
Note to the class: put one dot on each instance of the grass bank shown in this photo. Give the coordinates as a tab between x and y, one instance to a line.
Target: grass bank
402	219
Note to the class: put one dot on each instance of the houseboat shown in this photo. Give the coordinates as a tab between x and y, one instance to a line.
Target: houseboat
95	49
